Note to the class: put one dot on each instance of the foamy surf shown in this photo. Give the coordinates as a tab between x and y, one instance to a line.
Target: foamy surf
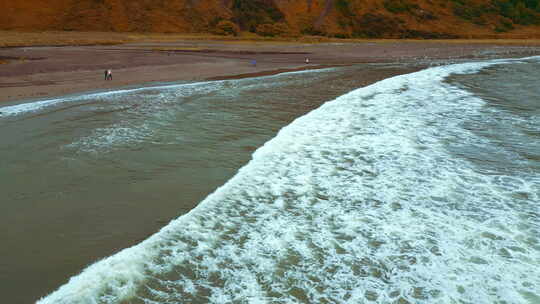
358	201
36	106
40	105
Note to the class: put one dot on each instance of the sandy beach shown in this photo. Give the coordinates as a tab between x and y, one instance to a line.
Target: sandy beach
36	72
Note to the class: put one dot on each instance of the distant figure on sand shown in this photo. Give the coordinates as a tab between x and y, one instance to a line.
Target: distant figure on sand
108	75
254	62
307	60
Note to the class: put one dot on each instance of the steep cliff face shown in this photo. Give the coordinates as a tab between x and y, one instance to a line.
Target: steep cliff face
112	15
338	18
410	18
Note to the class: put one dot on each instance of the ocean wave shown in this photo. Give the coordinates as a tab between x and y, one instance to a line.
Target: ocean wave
357	201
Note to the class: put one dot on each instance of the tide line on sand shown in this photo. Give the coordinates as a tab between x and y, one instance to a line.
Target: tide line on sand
39	105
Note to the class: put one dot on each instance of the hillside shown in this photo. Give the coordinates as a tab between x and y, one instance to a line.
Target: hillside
335	18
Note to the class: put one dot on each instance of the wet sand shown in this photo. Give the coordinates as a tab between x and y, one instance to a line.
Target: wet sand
40	72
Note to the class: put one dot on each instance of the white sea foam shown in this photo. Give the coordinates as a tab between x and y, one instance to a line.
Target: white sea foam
36	106
358	201
43	104
141	110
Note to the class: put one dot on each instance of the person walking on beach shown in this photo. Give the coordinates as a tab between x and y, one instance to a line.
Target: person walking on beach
106	74
109	74
307	60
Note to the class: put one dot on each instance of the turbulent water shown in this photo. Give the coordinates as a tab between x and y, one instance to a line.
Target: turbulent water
421	188
84	176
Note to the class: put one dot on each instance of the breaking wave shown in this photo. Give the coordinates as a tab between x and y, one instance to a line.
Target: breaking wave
359	201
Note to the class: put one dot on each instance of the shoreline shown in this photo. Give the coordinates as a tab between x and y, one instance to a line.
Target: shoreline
151	85
34	73
274	72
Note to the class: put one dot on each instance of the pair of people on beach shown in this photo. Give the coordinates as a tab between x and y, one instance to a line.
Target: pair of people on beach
108	75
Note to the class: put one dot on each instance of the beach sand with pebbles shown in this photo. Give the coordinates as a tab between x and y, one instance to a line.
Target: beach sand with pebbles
37	72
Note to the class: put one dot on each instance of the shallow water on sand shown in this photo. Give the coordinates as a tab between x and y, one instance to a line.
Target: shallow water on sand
85	176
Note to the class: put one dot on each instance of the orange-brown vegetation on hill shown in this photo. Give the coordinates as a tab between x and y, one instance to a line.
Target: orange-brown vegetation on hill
334	18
